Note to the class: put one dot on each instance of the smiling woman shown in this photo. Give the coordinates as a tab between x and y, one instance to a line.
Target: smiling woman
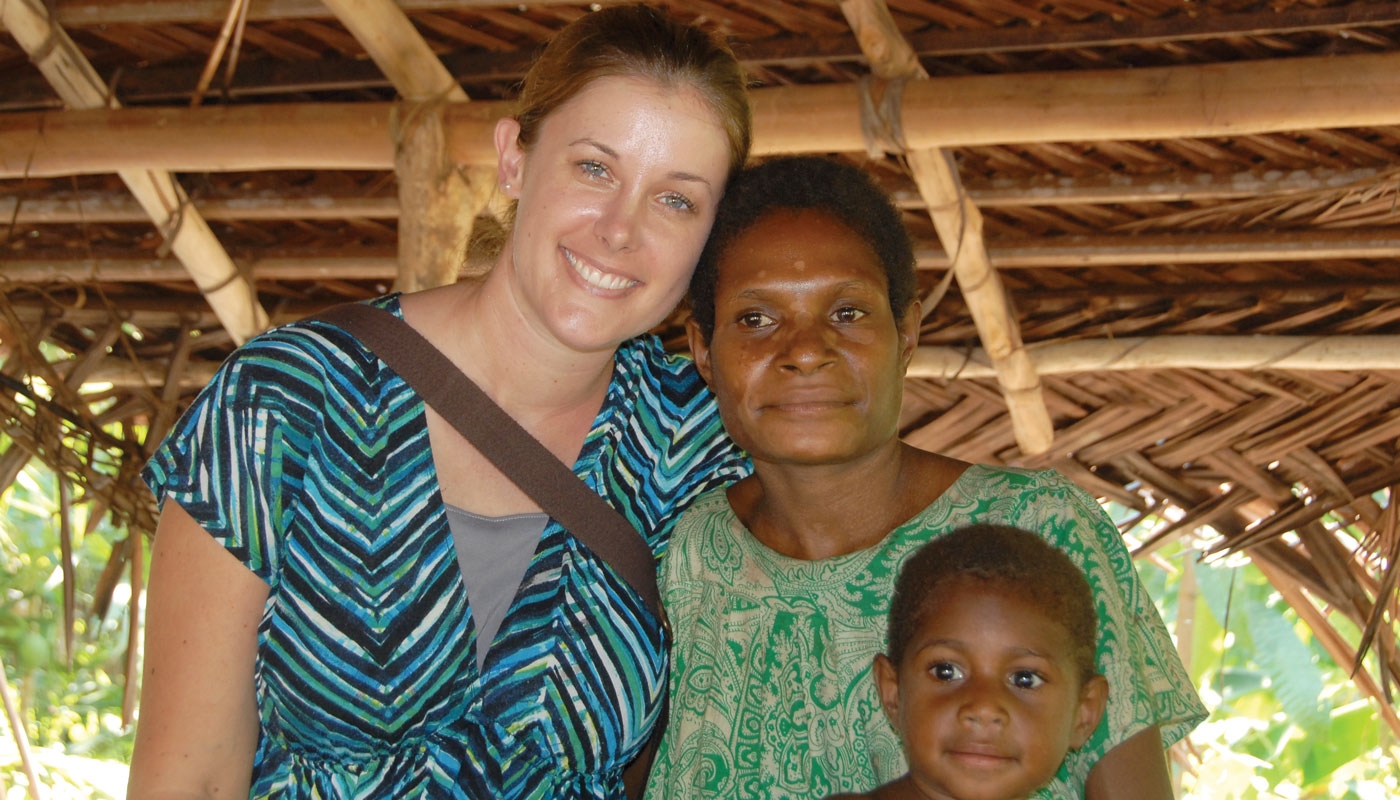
778	587
347	599
616	194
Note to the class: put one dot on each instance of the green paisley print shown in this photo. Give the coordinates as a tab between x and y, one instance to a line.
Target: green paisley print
772	695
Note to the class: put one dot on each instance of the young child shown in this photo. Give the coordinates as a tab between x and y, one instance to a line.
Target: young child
990	677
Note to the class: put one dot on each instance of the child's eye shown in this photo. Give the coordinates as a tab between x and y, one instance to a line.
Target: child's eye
847	314
1026	679
945	671
678	201
754	319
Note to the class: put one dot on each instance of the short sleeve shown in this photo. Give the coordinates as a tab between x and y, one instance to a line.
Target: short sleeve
667	443
236	457
1148	685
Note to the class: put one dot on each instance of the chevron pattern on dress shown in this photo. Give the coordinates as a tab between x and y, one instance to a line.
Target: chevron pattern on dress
308	459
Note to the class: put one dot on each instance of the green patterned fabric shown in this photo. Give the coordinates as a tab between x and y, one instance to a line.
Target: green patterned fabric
771	688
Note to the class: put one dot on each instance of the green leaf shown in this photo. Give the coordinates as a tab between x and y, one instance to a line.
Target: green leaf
1354	730
1295	676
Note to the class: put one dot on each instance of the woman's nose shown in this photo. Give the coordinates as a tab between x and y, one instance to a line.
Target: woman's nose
809	346
617	225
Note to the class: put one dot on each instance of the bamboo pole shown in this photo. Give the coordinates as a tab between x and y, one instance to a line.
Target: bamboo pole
1242	353
959	226
131	690
26	757
439	201
1101	251
66	567
66	206
1247	353
1193	101
187	234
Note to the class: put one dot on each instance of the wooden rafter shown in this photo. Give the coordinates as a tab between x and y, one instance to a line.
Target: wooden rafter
188	236
1192	101
1244	353
1065	252
439	201
959	226
59	207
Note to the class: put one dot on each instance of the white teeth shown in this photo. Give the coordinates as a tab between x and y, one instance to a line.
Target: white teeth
595	277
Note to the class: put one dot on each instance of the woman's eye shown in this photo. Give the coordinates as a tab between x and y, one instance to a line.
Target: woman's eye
679	202
944	671
1026	679
847	314
593	169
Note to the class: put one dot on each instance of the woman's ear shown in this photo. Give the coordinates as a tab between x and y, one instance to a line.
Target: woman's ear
887	684
510	158
1093	699
700	349
909	325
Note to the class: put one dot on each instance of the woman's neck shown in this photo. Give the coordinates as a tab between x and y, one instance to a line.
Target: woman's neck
814	512
480	327
554	393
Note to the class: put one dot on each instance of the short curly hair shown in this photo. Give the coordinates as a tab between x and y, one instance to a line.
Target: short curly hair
801	183
1002	556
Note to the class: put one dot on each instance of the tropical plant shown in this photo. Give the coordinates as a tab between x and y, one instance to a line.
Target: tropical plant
1286	721
67	689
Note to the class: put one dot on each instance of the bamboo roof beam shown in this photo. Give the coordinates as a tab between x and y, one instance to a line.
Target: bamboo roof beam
1161	102
1242	353
187	235
959	226
1248	353
1050	253
63	206
439	201
935	42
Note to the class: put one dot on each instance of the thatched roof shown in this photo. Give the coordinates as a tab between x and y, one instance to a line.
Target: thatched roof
1174	229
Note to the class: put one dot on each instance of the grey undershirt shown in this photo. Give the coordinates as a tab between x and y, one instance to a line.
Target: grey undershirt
494	553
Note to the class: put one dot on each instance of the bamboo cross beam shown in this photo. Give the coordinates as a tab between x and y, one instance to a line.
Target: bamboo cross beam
1247	353
439	202
188	236
1160	102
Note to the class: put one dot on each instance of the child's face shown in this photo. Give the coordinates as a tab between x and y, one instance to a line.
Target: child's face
987	698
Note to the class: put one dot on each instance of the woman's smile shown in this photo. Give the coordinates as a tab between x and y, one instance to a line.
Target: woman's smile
596	277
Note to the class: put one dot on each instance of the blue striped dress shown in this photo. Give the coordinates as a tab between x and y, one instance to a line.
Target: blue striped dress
308	459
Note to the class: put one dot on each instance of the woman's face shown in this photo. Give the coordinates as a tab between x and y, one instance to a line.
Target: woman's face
807	359
616	197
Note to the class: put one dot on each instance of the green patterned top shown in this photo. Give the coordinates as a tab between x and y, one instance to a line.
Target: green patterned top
771	688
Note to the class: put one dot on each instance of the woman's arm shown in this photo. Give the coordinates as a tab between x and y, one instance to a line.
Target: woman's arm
198	726
1134	770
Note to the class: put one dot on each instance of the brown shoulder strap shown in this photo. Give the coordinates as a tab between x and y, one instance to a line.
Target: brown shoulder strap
496	435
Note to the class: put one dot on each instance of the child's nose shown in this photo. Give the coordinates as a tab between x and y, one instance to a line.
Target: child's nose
983	704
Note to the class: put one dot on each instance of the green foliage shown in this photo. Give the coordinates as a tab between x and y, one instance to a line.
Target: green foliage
70	703
1286	721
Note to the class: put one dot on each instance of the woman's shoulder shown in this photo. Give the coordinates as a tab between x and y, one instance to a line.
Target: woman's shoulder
983	476
646	359
305	350
665	391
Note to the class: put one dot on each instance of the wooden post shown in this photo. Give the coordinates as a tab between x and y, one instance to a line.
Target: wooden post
26	758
